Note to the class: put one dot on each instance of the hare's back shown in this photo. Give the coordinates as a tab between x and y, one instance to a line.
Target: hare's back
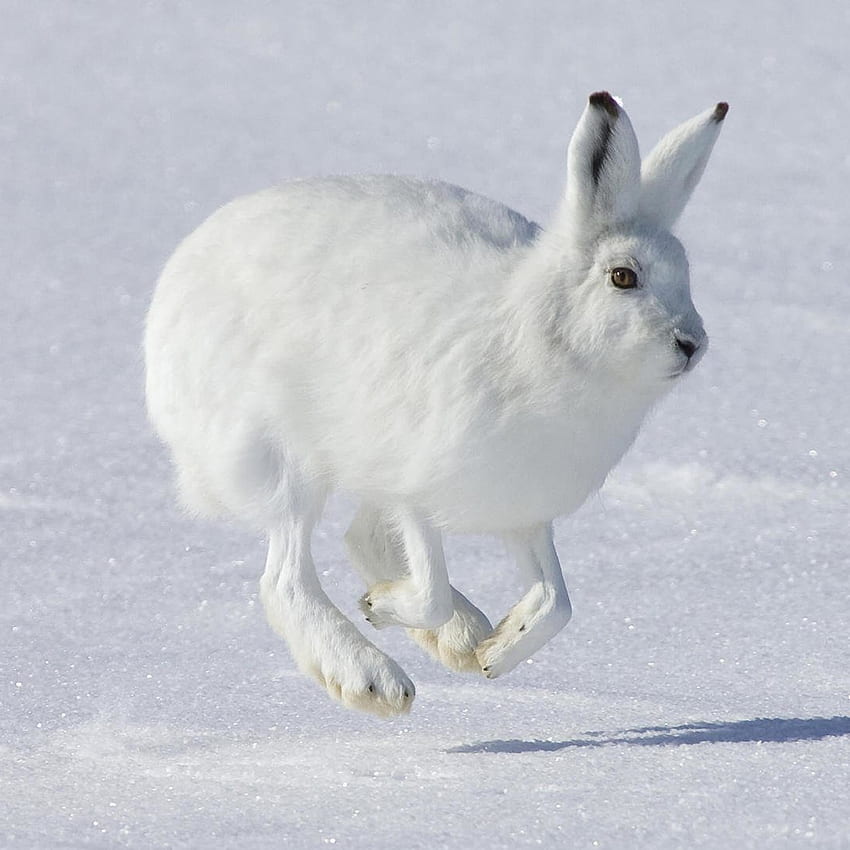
387	238
387	206
334	270
327	307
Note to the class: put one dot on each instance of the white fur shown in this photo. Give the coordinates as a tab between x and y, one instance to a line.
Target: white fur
432	352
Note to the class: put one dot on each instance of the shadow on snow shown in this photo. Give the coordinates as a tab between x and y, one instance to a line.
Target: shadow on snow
759	730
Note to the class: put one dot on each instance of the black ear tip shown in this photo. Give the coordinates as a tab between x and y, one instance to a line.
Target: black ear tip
604	100
720	112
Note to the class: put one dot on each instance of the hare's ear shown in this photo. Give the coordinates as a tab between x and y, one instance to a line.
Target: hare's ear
603	170
672	170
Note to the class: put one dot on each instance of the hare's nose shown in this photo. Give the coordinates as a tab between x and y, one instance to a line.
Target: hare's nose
686	346
693	347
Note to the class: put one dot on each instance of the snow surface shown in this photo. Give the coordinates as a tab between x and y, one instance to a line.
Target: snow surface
701	695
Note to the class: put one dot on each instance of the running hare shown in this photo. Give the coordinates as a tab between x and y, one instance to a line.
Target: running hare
449	363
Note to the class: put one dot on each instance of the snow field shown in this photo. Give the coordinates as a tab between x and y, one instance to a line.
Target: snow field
699	698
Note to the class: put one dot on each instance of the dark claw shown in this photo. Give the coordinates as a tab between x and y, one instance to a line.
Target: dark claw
371	689
406	693
522	627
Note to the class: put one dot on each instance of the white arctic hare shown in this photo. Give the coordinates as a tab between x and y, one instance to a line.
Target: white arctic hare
451	364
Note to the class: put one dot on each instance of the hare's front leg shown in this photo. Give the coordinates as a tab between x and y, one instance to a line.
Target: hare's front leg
322	641
539	615
421	599
376	552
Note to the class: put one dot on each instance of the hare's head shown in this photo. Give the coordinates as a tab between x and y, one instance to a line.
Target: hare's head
629	305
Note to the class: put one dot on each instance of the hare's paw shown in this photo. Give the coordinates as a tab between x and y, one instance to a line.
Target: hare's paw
531	623
402	603
454	643
370	682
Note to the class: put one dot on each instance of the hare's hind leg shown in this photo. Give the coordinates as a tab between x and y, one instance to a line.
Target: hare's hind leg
376	551
322	641
539	615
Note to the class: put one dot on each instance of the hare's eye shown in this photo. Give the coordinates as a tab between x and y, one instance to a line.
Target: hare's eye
623	278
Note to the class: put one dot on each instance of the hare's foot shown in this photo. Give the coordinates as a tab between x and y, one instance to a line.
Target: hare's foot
368	680
533	621
454	643
405	603
323	642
